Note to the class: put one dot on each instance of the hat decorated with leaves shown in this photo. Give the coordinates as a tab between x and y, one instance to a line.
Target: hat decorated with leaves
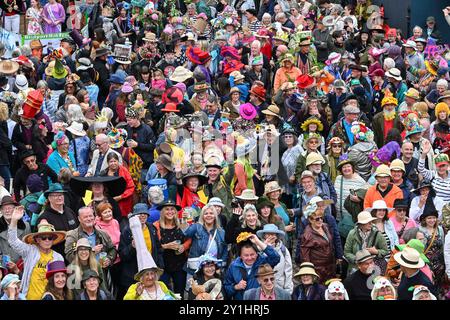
312	120
412	125
361	132
441	159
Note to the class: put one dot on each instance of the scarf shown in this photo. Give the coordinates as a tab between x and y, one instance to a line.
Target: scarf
189	199
364	237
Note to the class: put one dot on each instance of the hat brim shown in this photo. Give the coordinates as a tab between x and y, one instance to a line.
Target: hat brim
81	133
372	256
270	191
306	273
115	185
117	144
270	113
30	238
372	208
366	221
163	205
139	275
399	258
201	179
400	247
261	233
247	199
47	193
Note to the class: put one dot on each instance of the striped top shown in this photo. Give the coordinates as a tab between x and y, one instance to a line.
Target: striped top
355	183
255	26
388	243
440	185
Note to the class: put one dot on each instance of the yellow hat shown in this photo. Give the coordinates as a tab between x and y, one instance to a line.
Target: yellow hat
441	106
389	100
314	158
383	171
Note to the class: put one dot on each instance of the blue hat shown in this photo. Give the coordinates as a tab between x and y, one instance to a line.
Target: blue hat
207	258
139	208
54	188
117	78
269	228
8	279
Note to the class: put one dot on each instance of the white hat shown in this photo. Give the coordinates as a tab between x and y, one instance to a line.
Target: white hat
394	73
76	128
317	199
336	287
410	44
216	201
21	82
248	194
409	258
365	217
382	282
419	289
379	204
314	158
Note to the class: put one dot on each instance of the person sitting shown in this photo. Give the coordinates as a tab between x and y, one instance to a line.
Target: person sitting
91	282
383	290
267	290
10	286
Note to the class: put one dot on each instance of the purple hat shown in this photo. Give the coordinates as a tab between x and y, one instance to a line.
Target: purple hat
55	267
385	154
127	88
181	86
247	111
34	183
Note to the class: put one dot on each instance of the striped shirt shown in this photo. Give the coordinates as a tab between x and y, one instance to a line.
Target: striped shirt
388	244
255	26
441	186
355	183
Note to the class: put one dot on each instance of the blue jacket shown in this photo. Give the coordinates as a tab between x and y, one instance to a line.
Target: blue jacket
80	147
243	88
56	163
200	239
236	272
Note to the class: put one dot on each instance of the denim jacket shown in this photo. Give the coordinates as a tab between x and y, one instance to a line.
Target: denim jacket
200	239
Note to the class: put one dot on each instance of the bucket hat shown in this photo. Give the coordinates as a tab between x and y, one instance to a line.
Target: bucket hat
76	128
248	195
271	186
306	268
270	228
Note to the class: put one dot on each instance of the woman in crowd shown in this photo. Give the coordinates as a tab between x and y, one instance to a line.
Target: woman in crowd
309	287
92	282
57	288
289	161
61	157
208	272
245	221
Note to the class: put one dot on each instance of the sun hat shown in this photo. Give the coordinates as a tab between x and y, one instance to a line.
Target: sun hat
363	255
181	74
383	171
55	267
379	204
208	258
271	186
397	164
305	81
364	217
314	158
45	229
415	244
445	95
165	160
265	270
333	57
88	274
270	228
272	110
413	93
247	111
248	195
259	91
306	268
216	201
394	73
83	243
409	258
8	67
76	128
307	174
21	82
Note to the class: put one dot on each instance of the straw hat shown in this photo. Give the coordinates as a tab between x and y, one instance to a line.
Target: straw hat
248	195
45	229
397	164
383	171
409	258
272	110
271	186
8	67
314	158
363	255
181	74
306	268
365	217
150	37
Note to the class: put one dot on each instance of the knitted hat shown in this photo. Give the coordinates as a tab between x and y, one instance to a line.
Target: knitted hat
441	106
35	183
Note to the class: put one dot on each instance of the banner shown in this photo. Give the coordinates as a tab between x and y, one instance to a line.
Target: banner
52	40
304	34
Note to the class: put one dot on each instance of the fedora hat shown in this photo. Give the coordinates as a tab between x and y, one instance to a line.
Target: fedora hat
54	188
248	195
294	102
165	161
415	244
409	258
8	200
181	74
8	67
168	203
394	73
36	44
76	128
271	186
272	110
265	270
270	228
379	204
364	217
83	243
101	52
401	203
424	184
45	229
314	158
363	255
306	268
21	82
201	178
115	185
55	267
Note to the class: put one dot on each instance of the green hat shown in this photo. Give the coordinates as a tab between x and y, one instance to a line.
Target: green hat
264	202
415	244
355	82
59	72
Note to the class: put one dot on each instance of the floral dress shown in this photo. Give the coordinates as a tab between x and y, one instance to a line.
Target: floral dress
80	149
35	21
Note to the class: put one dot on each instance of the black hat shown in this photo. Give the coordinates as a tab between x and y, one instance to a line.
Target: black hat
90	274
349	97
169	203
424	184
293	102
337	34
356	67
264	202
252	12
201	178
442	127
170	48
26	154
115	185
429	211
401	203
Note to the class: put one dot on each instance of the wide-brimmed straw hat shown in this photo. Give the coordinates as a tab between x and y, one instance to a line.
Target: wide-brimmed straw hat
248	195
365	217
45	229
409	258
306	268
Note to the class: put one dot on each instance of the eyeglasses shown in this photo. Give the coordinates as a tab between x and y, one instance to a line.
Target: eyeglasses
401	209
100	144
318	219
47	238
313	142
271	279
30	161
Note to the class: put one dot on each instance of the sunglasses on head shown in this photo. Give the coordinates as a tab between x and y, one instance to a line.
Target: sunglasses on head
271	279
50	238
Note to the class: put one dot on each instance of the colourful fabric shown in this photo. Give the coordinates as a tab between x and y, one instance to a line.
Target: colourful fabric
147	238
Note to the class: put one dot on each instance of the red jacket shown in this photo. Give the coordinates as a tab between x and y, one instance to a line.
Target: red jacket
126	204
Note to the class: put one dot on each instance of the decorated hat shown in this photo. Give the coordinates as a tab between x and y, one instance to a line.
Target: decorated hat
281	36
228	51
259	91
412	126
362	132
59	72
8	67
197	56
310	136
201	86
33	104
384	155
117	137
247	111
441	159
343	160
305	81
312	120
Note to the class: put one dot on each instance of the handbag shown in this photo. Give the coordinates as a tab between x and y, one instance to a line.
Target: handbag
194	263
346	223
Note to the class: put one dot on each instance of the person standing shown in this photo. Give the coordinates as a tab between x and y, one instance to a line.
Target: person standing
54	16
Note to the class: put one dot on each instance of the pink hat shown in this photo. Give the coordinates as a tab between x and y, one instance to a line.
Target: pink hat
131	80
181	86
127	88
247	111
159	84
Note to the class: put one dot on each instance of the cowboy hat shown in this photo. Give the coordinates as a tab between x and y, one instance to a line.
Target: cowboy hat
35	44
45	229
364	217
8	67
248	195
76	128
115	185
270	228
168	203
409	258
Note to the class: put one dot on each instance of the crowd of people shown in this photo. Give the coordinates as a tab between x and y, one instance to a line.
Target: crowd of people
231	150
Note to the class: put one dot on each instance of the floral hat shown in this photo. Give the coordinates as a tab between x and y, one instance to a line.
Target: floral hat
312	120
117	137
361	132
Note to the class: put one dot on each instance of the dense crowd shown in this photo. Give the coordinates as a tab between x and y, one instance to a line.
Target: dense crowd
231	150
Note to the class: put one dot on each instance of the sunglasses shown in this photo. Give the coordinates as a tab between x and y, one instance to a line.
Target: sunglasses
318	219
48	238
271	279
313	142
336	145
401	209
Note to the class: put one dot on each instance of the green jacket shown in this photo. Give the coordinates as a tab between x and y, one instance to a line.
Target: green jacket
354	243
301	165
203	7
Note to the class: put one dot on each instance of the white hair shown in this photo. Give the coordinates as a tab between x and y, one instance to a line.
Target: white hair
256	43
74	113
389	63
418	29
266	15
248	208
442	82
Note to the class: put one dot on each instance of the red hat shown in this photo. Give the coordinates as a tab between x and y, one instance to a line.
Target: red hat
259	91
263	33
33	104
170	107
377	73
197	56
24	61
305	81
230	52
391	32
173	94
234	65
